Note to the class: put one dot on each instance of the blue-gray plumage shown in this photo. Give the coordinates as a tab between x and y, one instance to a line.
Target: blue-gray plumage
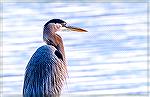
42	72
46	71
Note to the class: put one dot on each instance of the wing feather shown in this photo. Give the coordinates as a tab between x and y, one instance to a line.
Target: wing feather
45	74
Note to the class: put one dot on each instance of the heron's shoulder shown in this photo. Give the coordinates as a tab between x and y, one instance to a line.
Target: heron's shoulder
46	48
42	54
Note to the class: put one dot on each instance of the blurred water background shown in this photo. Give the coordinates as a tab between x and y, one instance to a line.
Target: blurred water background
111	59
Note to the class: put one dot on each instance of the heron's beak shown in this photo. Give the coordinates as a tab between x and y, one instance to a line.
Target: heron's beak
72	28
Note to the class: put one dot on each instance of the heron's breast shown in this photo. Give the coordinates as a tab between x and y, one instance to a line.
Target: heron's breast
48	53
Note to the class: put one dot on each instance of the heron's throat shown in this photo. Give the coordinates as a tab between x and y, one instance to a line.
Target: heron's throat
49	40
49	36
54	40
57	42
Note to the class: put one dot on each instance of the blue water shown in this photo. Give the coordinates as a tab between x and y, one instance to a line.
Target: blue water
110	59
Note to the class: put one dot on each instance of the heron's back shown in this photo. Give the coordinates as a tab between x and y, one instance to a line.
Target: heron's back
45	73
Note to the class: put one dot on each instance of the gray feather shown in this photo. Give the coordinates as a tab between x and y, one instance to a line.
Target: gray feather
45	74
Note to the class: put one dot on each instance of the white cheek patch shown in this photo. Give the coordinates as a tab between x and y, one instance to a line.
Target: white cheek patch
64	29
55	27
58	26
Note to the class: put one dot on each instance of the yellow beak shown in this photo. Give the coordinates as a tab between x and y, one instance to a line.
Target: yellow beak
72	28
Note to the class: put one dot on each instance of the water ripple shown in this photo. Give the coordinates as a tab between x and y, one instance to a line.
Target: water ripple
109	59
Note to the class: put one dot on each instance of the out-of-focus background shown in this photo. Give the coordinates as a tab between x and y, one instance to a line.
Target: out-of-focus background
111	59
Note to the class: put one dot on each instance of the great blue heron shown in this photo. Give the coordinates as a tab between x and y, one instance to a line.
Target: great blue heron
46	71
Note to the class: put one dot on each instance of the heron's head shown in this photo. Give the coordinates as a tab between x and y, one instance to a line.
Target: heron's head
54	25
58	24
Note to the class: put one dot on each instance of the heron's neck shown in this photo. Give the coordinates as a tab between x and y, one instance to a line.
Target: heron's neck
49	36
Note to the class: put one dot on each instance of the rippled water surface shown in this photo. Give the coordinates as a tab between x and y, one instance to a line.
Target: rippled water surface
109	59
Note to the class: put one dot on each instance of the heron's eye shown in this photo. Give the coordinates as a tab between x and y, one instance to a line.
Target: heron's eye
63	24
59	55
